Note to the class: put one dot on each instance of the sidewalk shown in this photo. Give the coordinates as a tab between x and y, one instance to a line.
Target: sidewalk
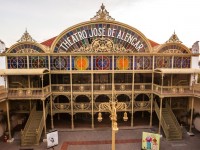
99	139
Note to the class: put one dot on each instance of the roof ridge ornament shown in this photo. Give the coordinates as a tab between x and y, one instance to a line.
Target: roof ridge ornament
26	38
102	14
173	39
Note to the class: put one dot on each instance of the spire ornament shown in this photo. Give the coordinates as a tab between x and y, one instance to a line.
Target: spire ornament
173	39
102	14
26	38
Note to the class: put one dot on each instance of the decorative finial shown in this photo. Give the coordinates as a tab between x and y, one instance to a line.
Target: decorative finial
102	6
26	37
173	39
102	14
2	46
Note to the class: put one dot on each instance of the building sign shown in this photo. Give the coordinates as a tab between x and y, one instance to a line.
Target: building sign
52	139
150	141
85	35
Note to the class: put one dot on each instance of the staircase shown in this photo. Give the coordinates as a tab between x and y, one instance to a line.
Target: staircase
33	129
169	123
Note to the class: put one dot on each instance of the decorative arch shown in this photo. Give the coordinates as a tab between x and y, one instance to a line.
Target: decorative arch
26	47
123	98
102	98
101	36
61	99
174	48
142	97
82	99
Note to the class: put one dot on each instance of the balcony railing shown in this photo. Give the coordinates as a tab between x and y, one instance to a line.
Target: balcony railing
33	93
197	90
3	93
142	105
61	87
38	93
61	107
173	90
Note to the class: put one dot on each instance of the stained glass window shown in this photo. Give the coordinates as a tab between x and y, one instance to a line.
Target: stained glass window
123	63
177	62
186	62
80	38
181	62
163	62
18	62
38	62
26	48
143	63
173	48
60	63
102	62
81	62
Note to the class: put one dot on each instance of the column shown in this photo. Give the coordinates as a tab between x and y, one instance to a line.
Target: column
132	104
44	117
92	90
160	115
92	100
113	79
151	117
51	105
8	119
191	116
72	110
162	84
133	96
42	86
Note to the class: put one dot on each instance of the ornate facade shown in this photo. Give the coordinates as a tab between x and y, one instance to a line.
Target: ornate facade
100	60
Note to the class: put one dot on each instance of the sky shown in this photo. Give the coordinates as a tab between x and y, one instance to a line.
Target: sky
44	19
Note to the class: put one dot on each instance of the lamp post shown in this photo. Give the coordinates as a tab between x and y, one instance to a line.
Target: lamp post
112	107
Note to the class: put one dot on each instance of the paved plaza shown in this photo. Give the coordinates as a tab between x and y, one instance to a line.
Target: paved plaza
99	139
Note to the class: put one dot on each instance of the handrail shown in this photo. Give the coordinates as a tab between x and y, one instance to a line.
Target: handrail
163	123
38	131
30	117
174	118
23	132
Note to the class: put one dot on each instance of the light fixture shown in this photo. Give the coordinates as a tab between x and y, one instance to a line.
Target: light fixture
115	128
100	117
125	116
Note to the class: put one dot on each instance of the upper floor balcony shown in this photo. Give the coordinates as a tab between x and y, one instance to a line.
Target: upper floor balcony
78	89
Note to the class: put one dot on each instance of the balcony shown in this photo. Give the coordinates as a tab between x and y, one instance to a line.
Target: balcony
173	91
29	93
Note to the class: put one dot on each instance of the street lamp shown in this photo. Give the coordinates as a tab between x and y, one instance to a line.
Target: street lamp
112	107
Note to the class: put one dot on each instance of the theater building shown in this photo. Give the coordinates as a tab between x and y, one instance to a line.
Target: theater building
60	83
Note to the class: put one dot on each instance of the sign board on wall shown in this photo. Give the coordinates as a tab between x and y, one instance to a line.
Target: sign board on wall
52	139
150	141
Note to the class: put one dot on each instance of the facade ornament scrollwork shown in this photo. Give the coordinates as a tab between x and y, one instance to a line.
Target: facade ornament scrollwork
61	88
102	87
26	38
142	87
20	92
103	45
102	14
122	87
173	39
28	92
81	88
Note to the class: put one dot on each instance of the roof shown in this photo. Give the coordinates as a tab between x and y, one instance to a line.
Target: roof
23	71
153	44
48	42
177	71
